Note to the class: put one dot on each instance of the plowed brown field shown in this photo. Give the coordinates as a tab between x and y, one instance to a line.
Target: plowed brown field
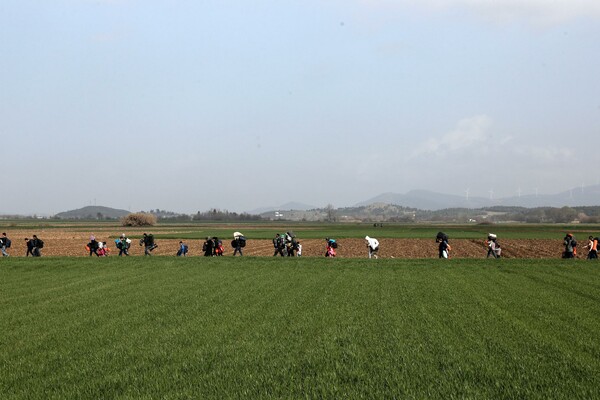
63	243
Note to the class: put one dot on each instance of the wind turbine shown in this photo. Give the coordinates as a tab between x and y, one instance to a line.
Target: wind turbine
536	192
491	192
467	193
519	192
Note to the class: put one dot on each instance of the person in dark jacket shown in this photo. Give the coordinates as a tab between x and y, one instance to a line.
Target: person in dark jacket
29	244
237	244
444	247
37	245
148	241
4	244
570	246
278	245
207	247
93	246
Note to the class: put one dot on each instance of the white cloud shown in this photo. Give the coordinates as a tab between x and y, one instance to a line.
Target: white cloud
543	12
545	154
469	133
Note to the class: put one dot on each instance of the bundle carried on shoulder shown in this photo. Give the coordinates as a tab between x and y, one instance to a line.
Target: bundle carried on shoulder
441	237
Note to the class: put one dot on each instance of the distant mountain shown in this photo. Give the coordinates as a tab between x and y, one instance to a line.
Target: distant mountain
581	196
93	212
284	207
428	200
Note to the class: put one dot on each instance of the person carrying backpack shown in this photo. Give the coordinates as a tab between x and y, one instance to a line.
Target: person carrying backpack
373	246
5	243
238	242
123	245
207	247
570	246
93	246
37	246
444	247
148	241
290	244
331	246
103	250
183	249
593	248
218	248
278	245
493	246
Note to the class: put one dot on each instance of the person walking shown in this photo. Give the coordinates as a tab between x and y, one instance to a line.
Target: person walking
239	241
93	246
218	249
103	249
278	245
5	243
373	246
183	249
207	247
123	245
570	246
290	243
330	247
593	248
29	244
493	246
444	247
37	246
147	241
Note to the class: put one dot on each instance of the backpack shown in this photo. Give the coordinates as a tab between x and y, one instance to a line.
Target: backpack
333	244
185	249
278	243
441	237
7	243
242	240
40	244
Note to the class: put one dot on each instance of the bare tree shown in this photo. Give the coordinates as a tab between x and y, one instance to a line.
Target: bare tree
331	213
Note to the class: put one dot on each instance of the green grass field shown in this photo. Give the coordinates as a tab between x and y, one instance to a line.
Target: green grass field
314	230
247	327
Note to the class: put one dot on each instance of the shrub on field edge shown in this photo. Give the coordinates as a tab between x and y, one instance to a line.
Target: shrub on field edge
138	219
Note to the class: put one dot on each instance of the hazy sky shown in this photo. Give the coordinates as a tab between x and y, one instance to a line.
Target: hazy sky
188	105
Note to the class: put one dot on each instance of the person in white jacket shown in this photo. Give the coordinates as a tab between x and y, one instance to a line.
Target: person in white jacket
373	245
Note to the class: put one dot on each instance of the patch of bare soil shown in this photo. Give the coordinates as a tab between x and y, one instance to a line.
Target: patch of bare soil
65	243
